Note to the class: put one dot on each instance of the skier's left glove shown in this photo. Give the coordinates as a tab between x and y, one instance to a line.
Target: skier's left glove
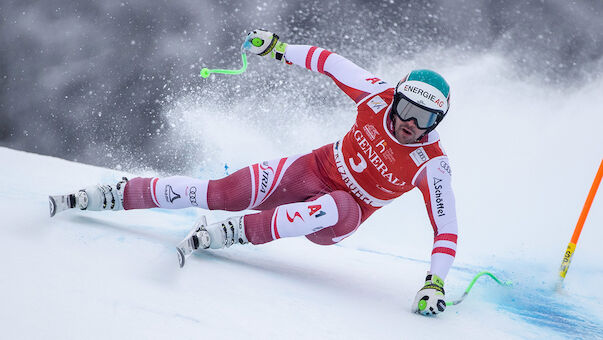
430	299
263	43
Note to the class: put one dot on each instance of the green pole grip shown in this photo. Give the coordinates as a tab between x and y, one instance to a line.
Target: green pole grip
257	42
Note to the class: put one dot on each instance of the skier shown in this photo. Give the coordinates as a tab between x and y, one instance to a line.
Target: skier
326	194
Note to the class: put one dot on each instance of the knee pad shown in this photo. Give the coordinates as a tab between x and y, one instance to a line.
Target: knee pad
349	220
303	218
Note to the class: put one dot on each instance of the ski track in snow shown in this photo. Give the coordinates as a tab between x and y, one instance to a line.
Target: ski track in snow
540	306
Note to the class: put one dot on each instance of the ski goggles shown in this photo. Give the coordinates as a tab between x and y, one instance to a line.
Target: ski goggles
423	116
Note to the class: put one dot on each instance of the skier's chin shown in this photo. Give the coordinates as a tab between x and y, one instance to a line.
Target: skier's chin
405	136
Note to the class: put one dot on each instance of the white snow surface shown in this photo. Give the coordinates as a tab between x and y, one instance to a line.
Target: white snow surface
523	160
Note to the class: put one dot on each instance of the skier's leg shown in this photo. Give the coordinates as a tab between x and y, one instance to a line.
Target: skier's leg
260	186
175	192
271	183
325	220
231	193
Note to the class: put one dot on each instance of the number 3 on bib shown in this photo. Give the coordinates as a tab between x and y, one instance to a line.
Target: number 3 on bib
360	166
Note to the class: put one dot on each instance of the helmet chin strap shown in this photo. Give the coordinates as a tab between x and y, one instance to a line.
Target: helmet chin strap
423	135
431	128
427	131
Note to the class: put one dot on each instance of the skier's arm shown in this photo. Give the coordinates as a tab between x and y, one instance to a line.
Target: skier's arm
353	80
434	181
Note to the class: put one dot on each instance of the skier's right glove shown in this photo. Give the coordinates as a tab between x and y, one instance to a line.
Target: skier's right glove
263	43
430	299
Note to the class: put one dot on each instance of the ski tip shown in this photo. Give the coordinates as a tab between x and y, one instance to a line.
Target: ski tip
53	206
180	257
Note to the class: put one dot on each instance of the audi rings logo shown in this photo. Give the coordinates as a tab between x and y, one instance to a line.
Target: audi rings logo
446	167
192	196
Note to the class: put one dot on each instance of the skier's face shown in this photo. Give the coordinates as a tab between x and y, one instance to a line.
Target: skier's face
406	132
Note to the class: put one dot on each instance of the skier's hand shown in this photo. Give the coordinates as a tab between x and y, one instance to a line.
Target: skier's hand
430	299
263	43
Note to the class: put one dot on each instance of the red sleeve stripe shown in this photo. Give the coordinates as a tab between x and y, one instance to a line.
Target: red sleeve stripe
442	250
321	60
309	57
446	237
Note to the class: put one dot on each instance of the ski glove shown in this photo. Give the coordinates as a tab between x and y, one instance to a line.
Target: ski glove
263	43
430	299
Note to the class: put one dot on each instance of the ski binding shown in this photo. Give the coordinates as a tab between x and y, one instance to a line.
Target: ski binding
197	238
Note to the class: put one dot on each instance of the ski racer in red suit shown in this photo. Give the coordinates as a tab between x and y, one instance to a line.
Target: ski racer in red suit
326	194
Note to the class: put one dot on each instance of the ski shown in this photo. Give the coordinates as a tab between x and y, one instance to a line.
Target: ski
197	237
60	203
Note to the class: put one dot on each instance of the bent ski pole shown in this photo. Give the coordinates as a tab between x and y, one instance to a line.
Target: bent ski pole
205	72
456	302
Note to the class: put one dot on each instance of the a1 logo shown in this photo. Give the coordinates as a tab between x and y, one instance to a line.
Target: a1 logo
315	208
374	80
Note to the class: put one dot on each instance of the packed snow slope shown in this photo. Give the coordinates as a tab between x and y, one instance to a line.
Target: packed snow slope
115	275
523	158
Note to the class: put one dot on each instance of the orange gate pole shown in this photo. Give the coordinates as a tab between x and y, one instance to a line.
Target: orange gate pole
567	257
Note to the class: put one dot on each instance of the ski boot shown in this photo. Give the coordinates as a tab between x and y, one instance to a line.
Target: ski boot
95	198
215	236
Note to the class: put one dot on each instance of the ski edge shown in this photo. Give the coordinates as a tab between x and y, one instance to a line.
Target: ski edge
53	206
181	257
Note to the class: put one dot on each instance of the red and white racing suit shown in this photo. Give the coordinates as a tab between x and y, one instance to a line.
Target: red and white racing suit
327	193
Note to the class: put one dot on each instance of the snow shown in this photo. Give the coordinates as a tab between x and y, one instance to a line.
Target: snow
523	159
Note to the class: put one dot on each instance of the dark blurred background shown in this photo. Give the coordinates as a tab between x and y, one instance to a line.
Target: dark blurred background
88	80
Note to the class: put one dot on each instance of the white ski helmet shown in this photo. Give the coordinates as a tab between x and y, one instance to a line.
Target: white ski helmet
424	96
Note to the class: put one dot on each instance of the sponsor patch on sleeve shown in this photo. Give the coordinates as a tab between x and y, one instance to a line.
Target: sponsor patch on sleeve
419	156
444	167
377	104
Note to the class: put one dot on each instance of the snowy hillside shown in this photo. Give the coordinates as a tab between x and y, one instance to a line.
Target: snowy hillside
523	157
115	275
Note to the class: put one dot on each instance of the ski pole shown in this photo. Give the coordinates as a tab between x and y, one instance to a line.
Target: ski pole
205	72
456	302
569	252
